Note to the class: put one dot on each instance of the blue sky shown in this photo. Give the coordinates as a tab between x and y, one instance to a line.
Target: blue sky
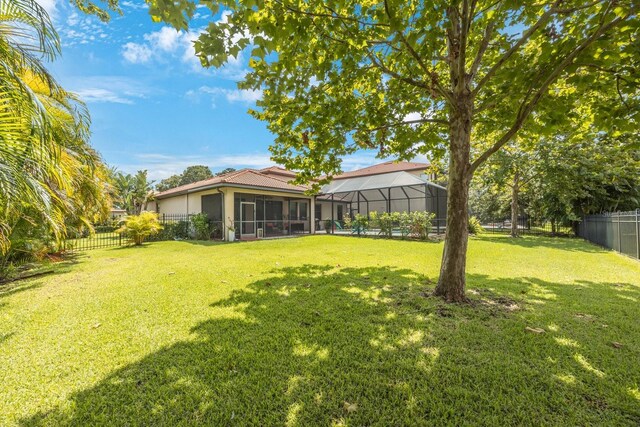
152	105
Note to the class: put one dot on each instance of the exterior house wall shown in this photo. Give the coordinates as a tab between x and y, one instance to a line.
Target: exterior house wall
152	206
192	203
176	205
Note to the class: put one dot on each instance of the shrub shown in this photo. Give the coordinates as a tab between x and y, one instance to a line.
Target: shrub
474	226
404	223
327	225
348	222
374	219
176	230
385	221
360	224
139	227
201	226
420	224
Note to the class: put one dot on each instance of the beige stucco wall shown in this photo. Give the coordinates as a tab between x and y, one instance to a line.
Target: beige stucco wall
192	203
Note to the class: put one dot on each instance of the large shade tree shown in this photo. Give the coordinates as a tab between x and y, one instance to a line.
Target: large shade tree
457	78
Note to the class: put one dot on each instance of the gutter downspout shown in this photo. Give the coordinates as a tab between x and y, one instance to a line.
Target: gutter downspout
224	226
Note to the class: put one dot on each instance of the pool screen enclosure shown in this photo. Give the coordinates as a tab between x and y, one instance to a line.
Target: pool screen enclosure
390	192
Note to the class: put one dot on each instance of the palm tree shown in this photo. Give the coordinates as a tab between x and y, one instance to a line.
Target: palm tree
132	192
49	175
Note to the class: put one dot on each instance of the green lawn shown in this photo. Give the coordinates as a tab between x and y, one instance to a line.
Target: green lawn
324	330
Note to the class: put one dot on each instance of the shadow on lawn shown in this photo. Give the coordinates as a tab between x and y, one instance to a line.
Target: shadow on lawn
573	244
317	345
35	278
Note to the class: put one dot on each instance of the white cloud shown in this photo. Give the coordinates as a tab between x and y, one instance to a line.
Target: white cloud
231	95
78	28
112	89
136	53
134	5
102	95
168	45
162	165
164	45
73	19
167	39
50	6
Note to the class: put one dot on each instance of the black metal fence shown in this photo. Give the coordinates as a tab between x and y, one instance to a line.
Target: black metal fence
174	227
619	231
530	226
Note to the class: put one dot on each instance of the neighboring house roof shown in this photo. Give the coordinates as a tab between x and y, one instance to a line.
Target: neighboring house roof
383	168
389	174
278	171
241	178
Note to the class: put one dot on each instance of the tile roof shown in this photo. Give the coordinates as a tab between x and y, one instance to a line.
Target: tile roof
386	167
277	170
277	178
243	177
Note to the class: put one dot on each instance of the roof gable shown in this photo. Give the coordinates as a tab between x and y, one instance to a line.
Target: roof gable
383	168
243	177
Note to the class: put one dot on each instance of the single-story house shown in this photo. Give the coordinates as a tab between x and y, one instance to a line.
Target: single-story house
261	203
257	203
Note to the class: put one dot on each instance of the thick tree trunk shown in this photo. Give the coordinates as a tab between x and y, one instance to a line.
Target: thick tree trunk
451	284
515	190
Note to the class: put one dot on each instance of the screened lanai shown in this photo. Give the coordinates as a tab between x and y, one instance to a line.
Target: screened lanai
390	192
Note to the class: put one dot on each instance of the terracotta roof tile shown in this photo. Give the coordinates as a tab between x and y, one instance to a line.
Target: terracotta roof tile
258	179
248	177
277	170
386	167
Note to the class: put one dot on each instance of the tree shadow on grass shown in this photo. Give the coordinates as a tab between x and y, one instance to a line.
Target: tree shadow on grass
573	244
316	345
35	278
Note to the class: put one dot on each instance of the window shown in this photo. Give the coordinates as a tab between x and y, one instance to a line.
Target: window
318	212
212	206
302	210
293	210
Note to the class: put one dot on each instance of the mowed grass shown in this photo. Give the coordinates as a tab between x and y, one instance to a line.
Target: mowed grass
324	330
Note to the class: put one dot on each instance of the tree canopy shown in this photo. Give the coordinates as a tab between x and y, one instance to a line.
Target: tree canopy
189	175
132	192
443	78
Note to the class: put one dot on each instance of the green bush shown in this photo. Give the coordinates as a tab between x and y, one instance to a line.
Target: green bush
360	224
139	227
347	221
178	230
201	226
474	226
384	221
420	224
404	223
328	225
374	219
